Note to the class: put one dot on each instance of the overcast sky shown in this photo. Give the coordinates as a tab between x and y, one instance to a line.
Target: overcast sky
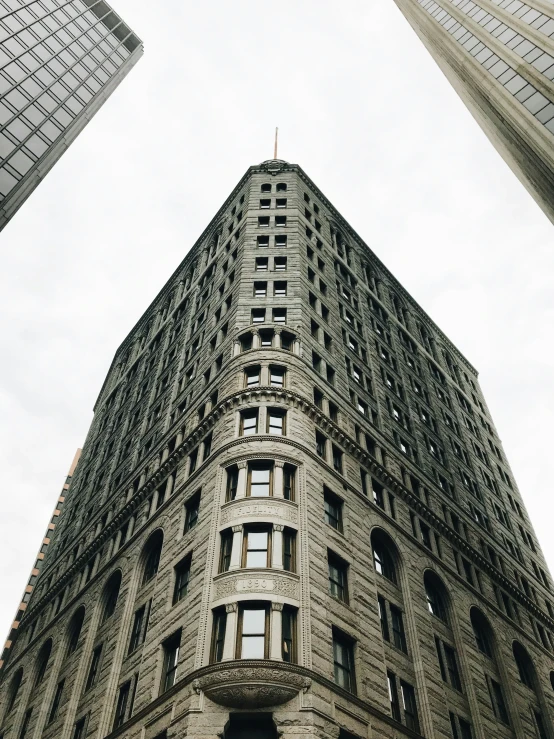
365	111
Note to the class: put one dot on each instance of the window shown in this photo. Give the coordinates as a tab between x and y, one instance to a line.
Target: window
436	602
249	422
276	422
289	482
277	376
253	639
25	725
452	667
397	629
280	264
232	483
153	554
333	510
218	635
393	696
263	221
524	665
383	561
75	630
482	632
281	202
14	689
260	480
280	240
171	658
288	626
182	577
337	459
280	221
280	289
94	667
121	706
79	730
263	241
261	264
266	338
343	659
289	550
279	315
256	548
138	632
266	187
56	702
226	550
265	203
252	376
281	187
320	444
260	289
258	315
338	580
191	512
111	595
410	708
497	700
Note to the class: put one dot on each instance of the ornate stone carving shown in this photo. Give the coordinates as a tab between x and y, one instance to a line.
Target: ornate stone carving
256	508
248	686
272	582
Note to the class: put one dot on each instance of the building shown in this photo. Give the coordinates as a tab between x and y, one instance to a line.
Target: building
59	62
292	514
499	57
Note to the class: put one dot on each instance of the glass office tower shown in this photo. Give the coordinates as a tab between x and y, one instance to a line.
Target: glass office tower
59	62
499	57
292	515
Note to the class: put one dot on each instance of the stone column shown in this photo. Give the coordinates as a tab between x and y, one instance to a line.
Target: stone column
236	348
277	547
179	439
230	632
236	548
278	338
165	454
169	486
278	479
276	647
255	339
241	481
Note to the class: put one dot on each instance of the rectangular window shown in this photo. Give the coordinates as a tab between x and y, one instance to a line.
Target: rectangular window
138	630
256	548
279	289
333	510
265	203
249	423
398	633
263	241
218	635
280	240
337	459
258	315
56	702
252	376
94	668
393	696
280	221
289	479
320	444
289	550
288	625
79	730
279	315
191	512
280	264
343	659
440	658
182	577
263	221
253	641
260	480
232	483
171	658
382	607
452	666
281	202
497	700
276	422
121	705
260	289
410	708
226	549
338	580
262	264
277	376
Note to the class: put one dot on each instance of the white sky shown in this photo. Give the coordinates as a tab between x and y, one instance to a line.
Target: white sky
365	111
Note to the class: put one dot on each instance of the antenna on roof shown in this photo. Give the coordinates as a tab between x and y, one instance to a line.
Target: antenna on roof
276	142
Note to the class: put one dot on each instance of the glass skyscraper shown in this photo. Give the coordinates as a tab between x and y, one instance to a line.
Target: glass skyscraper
499	57
59	61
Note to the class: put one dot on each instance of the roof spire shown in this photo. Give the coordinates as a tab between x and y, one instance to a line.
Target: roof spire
276	142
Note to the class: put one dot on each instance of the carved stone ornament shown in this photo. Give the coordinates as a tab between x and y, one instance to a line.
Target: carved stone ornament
256	508
256	583
251	686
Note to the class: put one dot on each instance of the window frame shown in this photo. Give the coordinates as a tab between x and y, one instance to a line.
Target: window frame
253	606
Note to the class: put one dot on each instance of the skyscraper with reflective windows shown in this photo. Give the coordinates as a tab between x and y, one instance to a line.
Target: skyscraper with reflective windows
292	514
59	62
499	57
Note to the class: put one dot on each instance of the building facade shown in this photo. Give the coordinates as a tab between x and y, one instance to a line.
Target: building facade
59	62
292	514
499	57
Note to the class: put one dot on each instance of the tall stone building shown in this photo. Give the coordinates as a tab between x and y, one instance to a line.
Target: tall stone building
59	62
292	514
499	57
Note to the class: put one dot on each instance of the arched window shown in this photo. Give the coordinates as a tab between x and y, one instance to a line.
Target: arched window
152	554
482	630
42	661
14	688
75	627
524	665
384	555
437	598
111	594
